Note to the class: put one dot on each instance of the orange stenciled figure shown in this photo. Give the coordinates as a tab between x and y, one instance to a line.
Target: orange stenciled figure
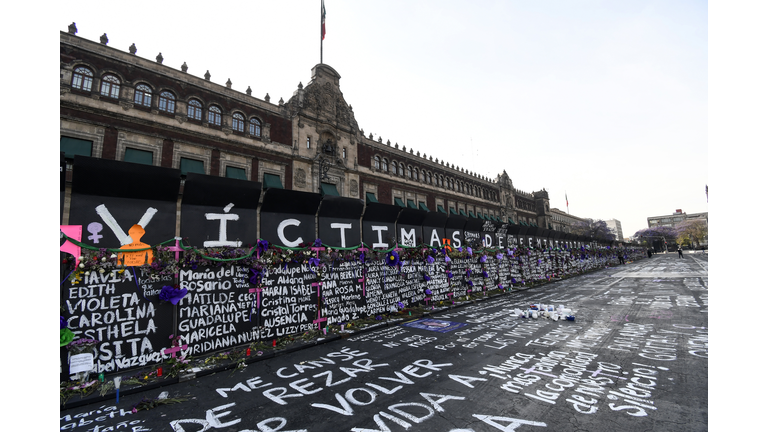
138	258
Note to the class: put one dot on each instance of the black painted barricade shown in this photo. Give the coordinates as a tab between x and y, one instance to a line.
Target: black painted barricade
454	230
219	211
433	231
109	197
121	308
339	221
409	231
288	217
472	233
63	182
379	225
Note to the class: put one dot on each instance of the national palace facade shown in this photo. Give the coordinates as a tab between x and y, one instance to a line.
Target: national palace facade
116	105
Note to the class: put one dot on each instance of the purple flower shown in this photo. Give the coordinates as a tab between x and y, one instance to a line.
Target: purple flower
469	272
509	252
483	259
428	291
513	280
362	256
393	259
447	259
256	278
171	294
485	274
470	283
430	260
426	277
449	274
460	249
501	286
317	243
499	256
469	250
262	246
314	261
400	305
378	318
62	322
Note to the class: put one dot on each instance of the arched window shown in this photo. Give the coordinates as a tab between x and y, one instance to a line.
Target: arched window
424	176
110	86
167	102
402	170
394	167
142	95
384	165
214	115
82	79
429	178
410	173
238	122
195	109
344	153
254	128
377	162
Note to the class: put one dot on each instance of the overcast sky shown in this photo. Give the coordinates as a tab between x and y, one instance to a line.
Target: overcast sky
605	101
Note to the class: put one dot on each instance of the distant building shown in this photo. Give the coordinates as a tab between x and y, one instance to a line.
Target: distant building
615	227
676	218
562	221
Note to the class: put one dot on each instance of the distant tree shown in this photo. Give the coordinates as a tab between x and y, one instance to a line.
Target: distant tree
692	232
597	229
659	234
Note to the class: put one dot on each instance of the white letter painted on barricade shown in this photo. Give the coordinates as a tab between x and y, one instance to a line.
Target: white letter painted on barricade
281	233
341	227
408	238
379	229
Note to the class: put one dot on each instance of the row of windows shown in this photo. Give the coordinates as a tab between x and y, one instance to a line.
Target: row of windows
399	169
75	146
82	79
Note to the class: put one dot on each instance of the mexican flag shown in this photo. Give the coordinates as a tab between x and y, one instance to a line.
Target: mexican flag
322	19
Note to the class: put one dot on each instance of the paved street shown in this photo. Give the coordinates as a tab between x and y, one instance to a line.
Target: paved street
635	358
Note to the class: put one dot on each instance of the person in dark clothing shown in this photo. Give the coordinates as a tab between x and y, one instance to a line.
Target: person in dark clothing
649	253
679	251
621	258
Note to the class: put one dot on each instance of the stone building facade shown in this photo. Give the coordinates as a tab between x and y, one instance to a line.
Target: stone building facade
676	218
615	227
562	221
116	105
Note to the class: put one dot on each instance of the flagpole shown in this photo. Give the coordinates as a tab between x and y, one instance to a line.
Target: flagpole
322	18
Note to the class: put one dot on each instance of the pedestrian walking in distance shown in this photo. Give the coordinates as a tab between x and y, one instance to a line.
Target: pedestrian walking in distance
679	251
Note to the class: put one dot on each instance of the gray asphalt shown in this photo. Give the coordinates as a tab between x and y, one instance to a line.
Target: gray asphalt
635	358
